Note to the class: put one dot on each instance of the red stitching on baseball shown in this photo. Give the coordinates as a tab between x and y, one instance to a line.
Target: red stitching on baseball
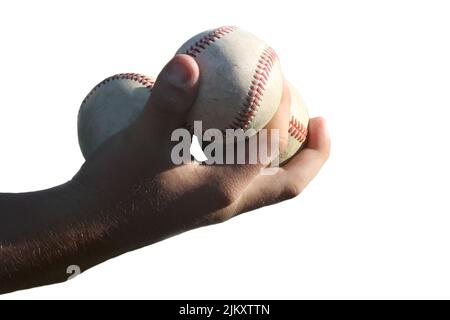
297	130
144	80
257	88
260	78
207	40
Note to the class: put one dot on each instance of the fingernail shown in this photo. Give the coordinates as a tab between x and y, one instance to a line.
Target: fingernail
177	72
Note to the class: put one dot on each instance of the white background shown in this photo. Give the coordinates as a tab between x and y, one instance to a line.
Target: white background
374	224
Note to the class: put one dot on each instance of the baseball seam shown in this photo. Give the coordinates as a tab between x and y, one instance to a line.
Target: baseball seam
201	44
144	80
297	130
256	90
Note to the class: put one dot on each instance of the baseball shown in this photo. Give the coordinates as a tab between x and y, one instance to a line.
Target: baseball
110	107
298	125
239	89
241	81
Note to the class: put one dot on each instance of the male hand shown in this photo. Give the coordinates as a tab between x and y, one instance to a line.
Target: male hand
135	167
130	194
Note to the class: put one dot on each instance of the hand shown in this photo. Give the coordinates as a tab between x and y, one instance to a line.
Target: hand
135	169
129	193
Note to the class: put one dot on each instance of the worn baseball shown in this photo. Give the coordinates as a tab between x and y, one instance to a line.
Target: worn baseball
111	107
298	125
241	82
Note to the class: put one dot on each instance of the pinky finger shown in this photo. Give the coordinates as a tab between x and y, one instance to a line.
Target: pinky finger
304	166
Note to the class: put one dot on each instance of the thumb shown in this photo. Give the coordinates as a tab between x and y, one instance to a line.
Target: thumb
172	96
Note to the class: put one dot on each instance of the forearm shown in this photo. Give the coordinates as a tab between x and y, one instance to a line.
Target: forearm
43	233
45	259
23	214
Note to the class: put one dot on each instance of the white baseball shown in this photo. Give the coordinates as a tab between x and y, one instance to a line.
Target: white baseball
298	125
241	81
111	107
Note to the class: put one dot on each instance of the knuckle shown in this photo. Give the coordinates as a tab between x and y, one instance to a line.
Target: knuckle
169	101
218	218
326	154
210	219
226	195
292	190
